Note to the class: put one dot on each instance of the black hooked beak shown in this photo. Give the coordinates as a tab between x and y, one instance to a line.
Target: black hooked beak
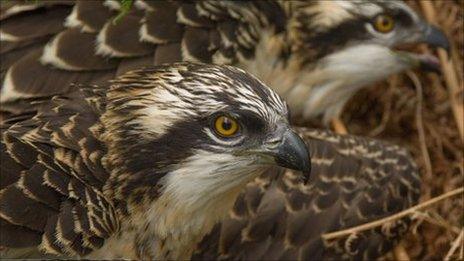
293	153
435	37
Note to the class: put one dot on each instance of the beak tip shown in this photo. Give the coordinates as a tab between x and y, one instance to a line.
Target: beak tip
294	154
437	38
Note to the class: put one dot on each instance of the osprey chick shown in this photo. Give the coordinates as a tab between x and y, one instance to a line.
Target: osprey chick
143	169
316	54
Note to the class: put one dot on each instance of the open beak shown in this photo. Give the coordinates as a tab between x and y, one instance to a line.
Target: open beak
291	152
435	37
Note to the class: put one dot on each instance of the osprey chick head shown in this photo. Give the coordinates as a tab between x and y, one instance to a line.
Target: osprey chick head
346	45
196	131
183	140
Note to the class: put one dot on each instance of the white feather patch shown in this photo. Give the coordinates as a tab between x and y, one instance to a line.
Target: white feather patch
112	4
6	37
73	22
49	56
142	5
103	49
145	37
9	92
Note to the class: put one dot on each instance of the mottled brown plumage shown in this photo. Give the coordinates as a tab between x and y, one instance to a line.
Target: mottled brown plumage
124	171
271	219
91	41
52	178
53	175
354	180
317	54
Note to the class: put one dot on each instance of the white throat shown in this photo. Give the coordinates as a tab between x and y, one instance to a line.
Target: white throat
325	88
195	197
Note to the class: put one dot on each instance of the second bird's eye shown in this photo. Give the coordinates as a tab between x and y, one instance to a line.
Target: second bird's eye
384	23
226	126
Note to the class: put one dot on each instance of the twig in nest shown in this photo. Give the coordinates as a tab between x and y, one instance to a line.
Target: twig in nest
418	220
461	253
437	137
438	222
420	125
391	218
455	245
436	216
449	74
387	108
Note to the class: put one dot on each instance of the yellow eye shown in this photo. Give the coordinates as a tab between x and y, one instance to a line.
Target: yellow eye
225	126
384	23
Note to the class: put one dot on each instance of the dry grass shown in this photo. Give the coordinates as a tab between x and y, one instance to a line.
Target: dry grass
422	111
389	111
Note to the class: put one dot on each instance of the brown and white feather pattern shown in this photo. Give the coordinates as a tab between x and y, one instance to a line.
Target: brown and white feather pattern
82	175
48	45
52	178
61	43
354	181
316	54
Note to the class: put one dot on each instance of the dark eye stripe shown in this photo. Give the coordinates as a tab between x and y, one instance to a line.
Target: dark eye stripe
336	37
403	18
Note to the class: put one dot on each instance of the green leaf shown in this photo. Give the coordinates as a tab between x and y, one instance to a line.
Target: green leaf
126	6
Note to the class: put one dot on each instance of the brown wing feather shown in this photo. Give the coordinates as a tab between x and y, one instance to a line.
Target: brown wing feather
161	25
75	52
92	15
52	181
168	53
121	39
37	23
30	78
354	181
80	42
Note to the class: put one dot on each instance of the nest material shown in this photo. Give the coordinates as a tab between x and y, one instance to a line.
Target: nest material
390	111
